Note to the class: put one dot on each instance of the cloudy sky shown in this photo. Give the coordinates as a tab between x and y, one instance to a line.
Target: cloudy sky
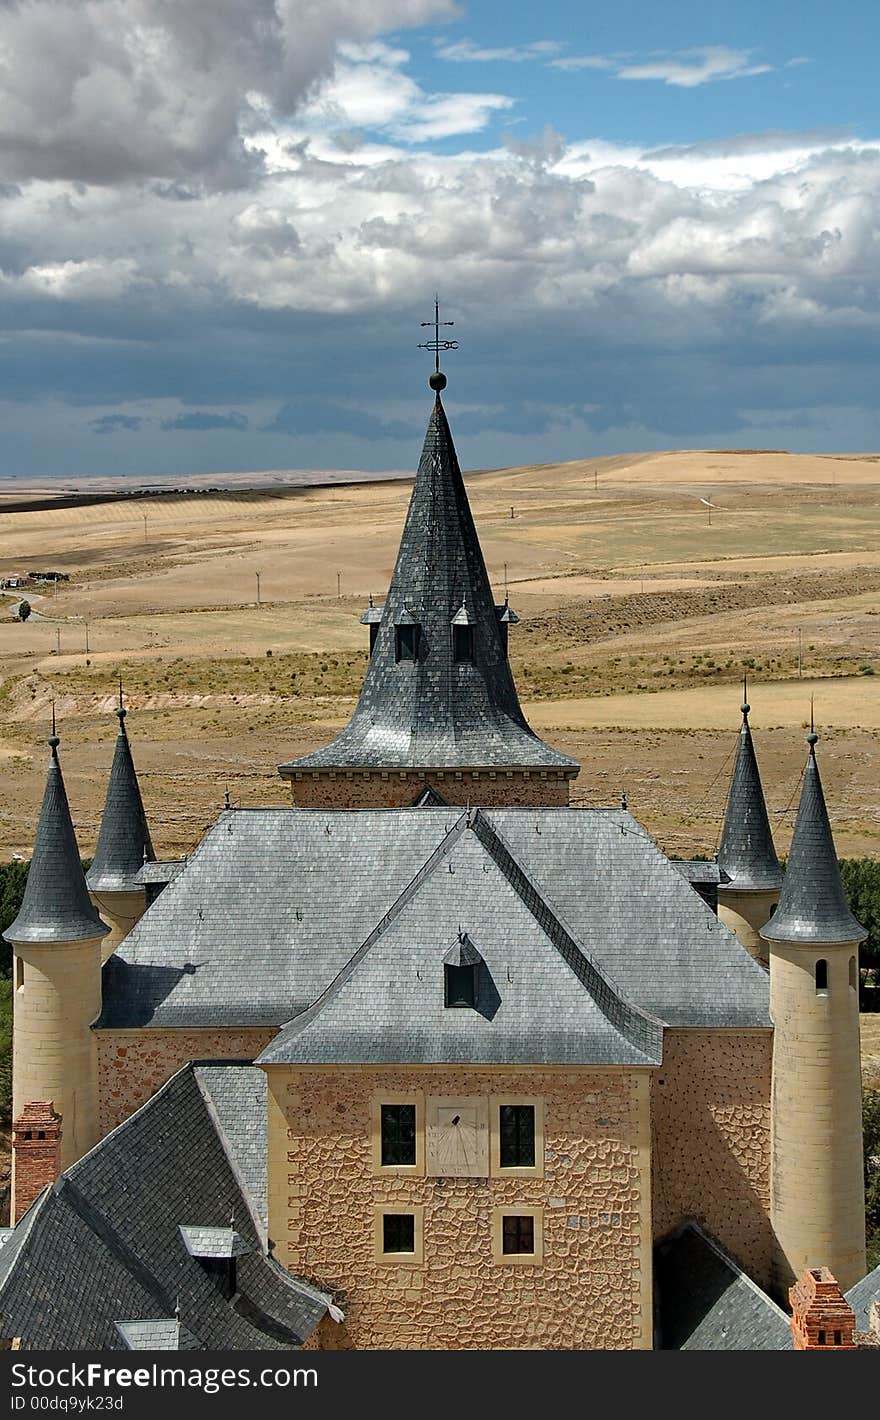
221	222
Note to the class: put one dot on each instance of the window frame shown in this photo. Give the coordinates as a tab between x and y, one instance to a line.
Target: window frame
402	634
392	1097
462	645
518	1171
399	1259
517	1259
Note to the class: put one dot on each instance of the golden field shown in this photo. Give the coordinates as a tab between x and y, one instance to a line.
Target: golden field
641	606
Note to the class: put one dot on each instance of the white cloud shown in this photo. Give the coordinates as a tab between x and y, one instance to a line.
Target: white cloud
464	51
685	69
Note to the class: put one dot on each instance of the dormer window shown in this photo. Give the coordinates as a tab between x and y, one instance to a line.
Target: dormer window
216	1249
461	968
462	636
505	617
406	637
372	617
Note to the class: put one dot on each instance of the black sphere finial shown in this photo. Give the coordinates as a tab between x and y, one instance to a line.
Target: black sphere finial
437	380
745	707
812	738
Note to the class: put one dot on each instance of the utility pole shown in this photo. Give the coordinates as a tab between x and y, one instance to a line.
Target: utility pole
87	638
58	640
339	586
144	516
511	512
596	480
800	650
257	575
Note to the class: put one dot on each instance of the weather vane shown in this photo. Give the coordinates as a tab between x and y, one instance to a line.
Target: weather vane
437	381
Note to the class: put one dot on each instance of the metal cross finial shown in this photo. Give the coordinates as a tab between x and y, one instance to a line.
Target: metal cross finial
437	344
226	802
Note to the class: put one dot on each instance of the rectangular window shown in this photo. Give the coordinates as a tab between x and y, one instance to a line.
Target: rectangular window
407	642
398	1232
398	1134
821	1338
462	643
398	1236
516	1128
517	1234
19	973
460	983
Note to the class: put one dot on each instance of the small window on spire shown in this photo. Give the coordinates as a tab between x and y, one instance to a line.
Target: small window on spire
407	642
462	644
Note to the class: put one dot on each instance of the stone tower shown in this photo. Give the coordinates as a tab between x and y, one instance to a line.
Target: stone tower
56	940
746	854
123	846
817	1204
438	708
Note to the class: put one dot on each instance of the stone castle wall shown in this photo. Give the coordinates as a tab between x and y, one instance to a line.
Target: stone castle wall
710	1104
133	1064
591	1290
360	789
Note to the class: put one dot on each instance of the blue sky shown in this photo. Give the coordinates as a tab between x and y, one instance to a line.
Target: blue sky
655	226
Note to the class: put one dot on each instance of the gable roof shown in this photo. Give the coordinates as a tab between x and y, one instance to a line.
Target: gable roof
705	1302
540	999
254	928
436	711
103	1245
862	1295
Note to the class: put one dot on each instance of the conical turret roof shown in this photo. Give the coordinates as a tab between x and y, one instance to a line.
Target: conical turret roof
812	905
436	710
56	905
746	852
124	839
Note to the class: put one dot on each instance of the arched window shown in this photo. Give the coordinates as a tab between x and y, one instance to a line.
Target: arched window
821	974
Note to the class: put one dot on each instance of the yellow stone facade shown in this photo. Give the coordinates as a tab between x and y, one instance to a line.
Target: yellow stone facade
398	788
57	997
745	913
710	1103
818	1201
592	1287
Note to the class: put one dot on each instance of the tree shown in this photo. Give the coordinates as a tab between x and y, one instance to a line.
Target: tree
871	1123
861	882
24	610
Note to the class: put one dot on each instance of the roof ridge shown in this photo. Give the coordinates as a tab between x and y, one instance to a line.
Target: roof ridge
710	1241
225	1144
641	1028
437	854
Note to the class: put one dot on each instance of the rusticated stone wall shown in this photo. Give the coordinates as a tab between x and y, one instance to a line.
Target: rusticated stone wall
710	1103
343	789
593	1288
132	1064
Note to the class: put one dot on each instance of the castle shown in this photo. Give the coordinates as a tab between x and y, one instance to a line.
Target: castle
473	1068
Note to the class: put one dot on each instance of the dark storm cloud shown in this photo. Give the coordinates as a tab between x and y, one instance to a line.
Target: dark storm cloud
316	416
199	420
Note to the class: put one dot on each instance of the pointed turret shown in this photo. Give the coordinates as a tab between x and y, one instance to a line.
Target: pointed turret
746	855
438	701
56	906
124	844
813	906
56	941
817	1207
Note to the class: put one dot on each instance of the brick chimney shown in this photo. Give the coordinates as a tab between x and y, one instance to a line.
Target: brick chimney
821	1317
36	1150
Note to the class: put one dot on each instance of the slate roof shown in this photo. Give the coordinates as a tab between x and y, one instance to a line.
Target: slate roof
706	1303
124	837
157	871
163	1334
746	852
862	1295
540	1000
103	1245
255	928
695	870
56	906
435	712
812	905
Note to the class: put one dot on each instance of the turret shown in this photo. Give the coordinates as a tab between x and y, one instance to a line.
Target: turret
123	846
438	706
817	1207
746	854
56	940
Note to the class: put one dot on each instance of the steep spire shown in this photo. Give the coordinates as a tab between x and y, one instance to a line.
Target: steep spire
124	839
812	905
746	852
56	905
438	691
